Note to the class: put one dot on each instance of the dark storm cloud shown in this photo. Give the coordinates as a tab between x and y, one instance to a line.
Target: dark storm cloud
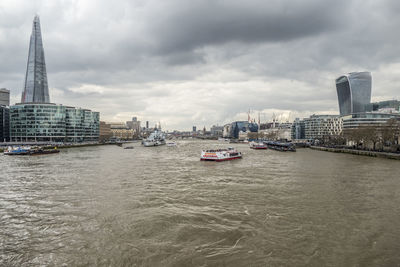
192	24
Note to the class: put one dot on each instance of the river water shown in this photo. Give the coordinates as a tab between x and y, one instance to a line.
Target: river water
161	206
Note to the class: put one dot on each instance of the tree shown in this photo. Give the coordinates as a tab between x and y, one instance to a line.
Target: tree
390	132
373	134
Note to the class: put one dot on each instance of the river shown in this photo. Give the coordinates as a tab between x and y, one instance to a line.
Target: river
162	206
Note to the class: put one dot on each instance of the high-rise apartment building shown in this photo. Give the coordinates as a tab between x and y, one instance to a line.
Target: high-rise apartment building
354	92
36	89
320	126
4	97
4	124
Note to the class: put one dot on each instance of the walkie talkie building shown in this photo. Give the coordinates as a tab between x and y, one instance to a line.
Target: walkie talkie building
354	92
36	89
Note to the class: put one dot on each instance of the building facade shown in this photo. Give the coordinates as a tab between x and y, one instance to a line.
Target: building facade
216	130
320	126
354	92
53	123
120	131
105	131
82	125
134	125
4	124
36	89
233	129
298	129
4	97
367	119
393	105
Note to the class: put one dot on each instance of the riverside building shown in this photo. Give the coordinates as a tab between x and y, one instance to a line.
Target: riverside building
47	122
4	123
4	97
368	119
35	118
4	115
320	126
298	129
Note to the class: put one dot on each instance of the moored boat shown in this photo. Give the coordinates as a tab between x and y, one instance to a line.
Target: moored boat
281	146
255	145
17	150
27	150
43	151
156	138
171	144
220	154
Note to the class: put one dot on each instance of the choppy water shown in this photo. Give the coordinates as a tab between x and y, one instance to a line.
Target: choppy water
161	206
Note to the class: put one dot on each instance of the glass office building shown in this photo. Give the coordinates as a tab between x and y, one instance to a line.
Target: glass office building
354	92
4	124
82	125
37	122
48	122
298	129
367	119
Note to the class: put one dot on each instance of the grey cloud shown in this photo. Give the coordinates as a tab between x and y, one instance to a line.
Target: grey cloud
192	24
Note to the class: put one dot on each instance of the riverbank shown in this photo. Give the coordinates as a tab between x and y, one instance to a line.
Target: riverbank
359	152
74	145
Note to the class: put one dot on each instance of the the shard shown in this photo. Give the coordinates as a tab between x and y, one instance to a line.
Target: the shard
36	89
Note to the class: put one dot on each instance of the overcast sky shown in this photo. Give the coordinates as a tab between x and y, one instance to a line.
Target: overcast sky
202	62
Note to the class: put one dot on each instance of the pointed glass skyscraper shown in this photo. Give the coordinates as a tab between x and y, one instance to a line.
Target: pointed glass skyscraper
35	87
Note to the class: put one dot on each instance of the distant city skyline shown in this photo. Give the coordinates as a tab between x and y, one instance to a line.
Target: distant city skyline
174	62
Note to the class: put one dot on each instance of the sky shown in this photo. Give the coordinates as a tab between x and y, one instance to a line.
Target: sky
202	62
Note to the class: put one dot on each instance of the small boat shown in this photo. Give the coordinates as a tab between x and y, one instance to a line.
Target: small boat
254	145
171	144
220	154
27	150
128	147
17	150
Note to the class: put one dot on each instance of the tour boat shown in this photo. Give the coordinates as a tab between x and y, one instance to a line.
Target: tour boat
220	154
255	145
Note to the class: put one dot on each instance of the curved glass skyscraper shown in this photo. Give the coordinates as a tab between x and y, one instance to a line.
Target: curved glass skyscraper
354	92
35	87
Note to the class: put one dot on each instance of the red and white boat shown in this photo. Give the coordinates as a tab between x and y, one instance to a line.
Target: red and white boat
220	154
255	145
